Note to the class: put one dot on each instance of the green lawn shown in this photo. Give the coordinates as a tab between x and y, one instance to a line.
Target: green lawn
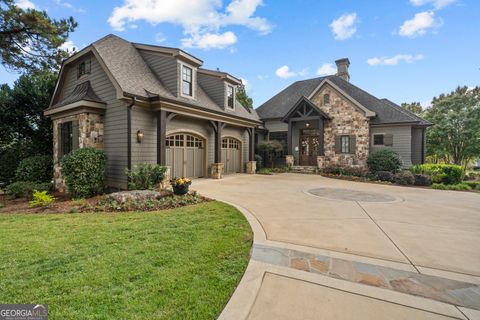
173	264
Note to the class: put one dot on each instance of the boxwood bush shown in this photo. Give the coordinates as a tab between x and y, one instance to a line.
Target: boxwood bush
457	187
35	169
145	176
25	189
422	179
441	173
384	176
384	160
84	172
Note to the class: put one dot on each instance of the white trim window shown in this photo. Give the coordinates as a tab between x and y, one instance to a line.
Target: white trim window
345	144
187	81
230	97
379	139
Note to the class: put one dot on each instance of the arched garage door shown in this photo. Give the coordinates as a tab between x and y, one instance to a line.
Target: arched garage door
231	153
185	155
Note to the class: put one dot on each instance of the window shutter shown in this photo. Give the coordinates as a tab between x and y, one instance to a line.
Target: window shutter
59	142
75	135
353	144
388	140
338	144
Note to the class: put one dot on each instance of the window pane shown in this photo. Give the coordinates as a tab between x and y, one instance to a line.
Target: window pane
186	81
230	94
326	99
378	139
345	144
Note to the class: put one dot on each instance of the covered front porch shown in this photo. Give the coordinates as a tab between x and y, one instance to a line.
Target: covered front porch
305	136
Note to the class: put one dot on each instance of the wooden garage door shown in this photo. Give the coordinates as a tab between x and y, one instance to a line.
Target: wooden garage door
185	155
231	153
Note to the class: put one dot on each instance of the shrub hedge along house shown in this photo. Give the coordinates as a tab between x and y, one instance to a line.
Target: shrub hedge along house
150	104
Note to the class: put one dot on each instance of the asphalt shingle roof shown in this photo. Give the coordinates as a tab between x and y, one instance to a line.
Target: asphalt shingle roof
135	77
82	91
385	110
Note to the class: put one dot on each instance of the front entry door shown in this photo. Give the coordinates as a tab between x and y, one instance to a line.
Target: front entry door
309	146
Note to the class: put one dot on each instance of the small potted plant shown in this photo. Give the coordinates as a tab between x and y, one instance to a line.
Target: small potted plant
180	185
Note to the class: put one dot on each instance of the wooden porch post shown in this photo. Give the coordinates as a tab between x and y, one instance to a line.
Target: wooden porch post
289	138
161	137
321	131
251	144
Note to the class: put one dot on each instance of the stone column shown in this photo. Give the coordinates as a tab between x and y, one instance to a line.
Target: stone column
321	162
217	170
166	182
289	160
251	167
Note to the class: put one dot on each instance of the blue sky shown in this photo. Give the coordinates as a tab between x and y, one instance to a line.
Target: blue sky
405	50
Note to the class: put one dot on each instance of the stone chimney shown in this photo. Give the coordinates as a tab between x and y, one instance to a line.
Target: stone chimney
342	68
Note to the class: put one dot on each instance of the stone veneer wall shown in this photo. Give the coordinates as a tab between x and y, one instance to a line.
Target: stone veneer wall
347	119
90	134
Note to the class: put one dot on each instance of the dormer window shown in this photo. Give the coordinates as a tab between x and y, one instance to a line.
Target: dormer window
230	97
187	81
84	68
326	98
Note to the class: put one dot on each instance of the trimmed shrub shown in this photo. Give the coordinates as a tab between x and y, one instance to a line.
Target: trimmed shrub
346	171
441	173
41	199
384	176
404	178
35	169
84	172
473	184
145	176
25	189
457	187
384	160
422	179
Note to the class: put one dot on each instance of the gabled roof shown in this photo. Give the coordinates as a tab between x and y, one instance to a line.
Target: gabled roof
304	101
385	111
83	91
133	77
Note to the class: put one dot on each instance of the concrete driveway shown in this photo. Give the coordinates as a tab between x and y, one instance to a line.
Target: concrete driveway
427	235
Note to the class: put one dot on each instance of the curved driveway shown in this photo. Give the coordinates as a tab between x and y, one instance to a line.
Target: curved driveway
422	231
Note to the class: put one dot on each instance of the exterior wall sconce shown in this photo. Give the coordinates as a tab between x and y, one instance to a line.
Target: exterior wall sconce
307	124
139	136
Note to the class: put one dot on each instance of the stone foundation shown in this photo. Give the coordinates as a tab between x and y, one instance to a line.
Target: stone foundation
217	170
251	167
90	134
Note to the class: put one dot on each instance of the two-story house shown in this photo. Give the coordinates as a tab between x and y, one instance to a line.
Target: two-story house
150	104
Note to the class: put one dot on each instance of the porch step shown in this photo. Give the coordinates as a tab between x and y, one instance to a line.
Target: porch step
303	169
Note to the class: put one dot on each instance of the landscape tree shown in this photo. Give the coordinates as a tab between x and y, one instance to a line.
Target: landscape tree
243	98
31	40
455	135
24	131
414	107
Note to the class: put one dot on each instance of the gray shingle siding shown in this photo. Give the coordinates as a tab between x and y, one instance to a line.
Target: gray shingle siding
276	126
115	118
164	67
145	120
214	87
402	138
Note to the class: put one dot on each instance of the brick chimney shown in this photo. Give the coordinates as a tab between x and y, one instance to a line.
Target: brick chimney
342	68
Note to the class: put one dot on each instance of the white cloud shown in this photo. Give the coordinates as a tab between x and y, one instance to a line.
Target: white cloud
246	84
419	25
326	69
160	37
392	61
68	5
437	4
344	27
25	4
201	20
210	40
68	46
284	72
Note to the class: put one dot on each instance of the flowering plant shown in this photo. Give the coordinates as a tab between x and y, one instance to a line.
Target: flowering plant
180	182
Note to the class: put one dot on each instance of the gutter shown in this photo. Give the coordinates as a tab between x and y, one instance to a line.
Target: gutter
129	132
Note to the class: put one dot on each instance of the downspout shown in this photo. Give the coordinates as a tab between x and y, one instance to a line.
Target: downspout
129	130
423	146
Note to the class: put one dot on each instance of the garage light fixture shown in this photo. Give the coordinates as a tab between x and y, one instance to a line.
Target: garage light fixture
307	124
139	136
